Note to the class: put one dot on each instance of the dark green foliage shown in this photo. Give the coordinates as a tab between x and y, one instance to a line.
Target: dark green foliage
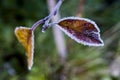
83	62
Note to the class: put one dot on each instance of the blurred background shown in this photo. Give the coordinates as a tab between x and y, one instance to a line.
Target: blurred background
81	62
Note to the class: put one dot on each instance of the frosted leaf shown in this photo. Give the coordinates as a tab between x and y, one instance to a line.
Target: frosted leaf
82	30
26	37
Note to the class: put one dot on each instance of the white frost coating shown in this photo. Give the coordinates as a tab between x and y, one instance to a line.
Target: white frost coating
29	67
31	61
76	39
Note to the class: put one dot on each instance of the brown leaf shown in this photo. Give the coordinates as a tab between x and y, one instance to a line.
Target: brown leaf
81	30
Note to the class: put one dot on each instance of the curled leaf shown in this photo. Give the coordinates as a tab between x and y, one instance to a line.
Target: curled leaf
81	30
26	37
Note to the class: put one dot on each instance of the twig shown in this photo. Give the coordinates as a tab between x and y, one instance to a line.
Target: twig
81	8
58	35
47	19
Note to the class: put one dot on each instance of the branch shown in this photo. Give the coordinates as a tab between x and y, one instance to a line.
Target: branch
47	19
81	8
58	35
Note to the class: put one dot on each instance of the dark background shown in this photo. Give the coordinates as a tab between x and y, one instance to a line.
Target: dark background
83	62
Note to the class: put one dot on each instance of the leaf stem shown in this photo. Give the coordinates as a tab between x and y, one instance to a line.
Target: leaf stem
47	19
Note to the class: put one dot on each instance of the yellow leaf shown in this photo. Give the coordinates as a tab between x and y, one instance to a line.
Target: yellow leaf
26	37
